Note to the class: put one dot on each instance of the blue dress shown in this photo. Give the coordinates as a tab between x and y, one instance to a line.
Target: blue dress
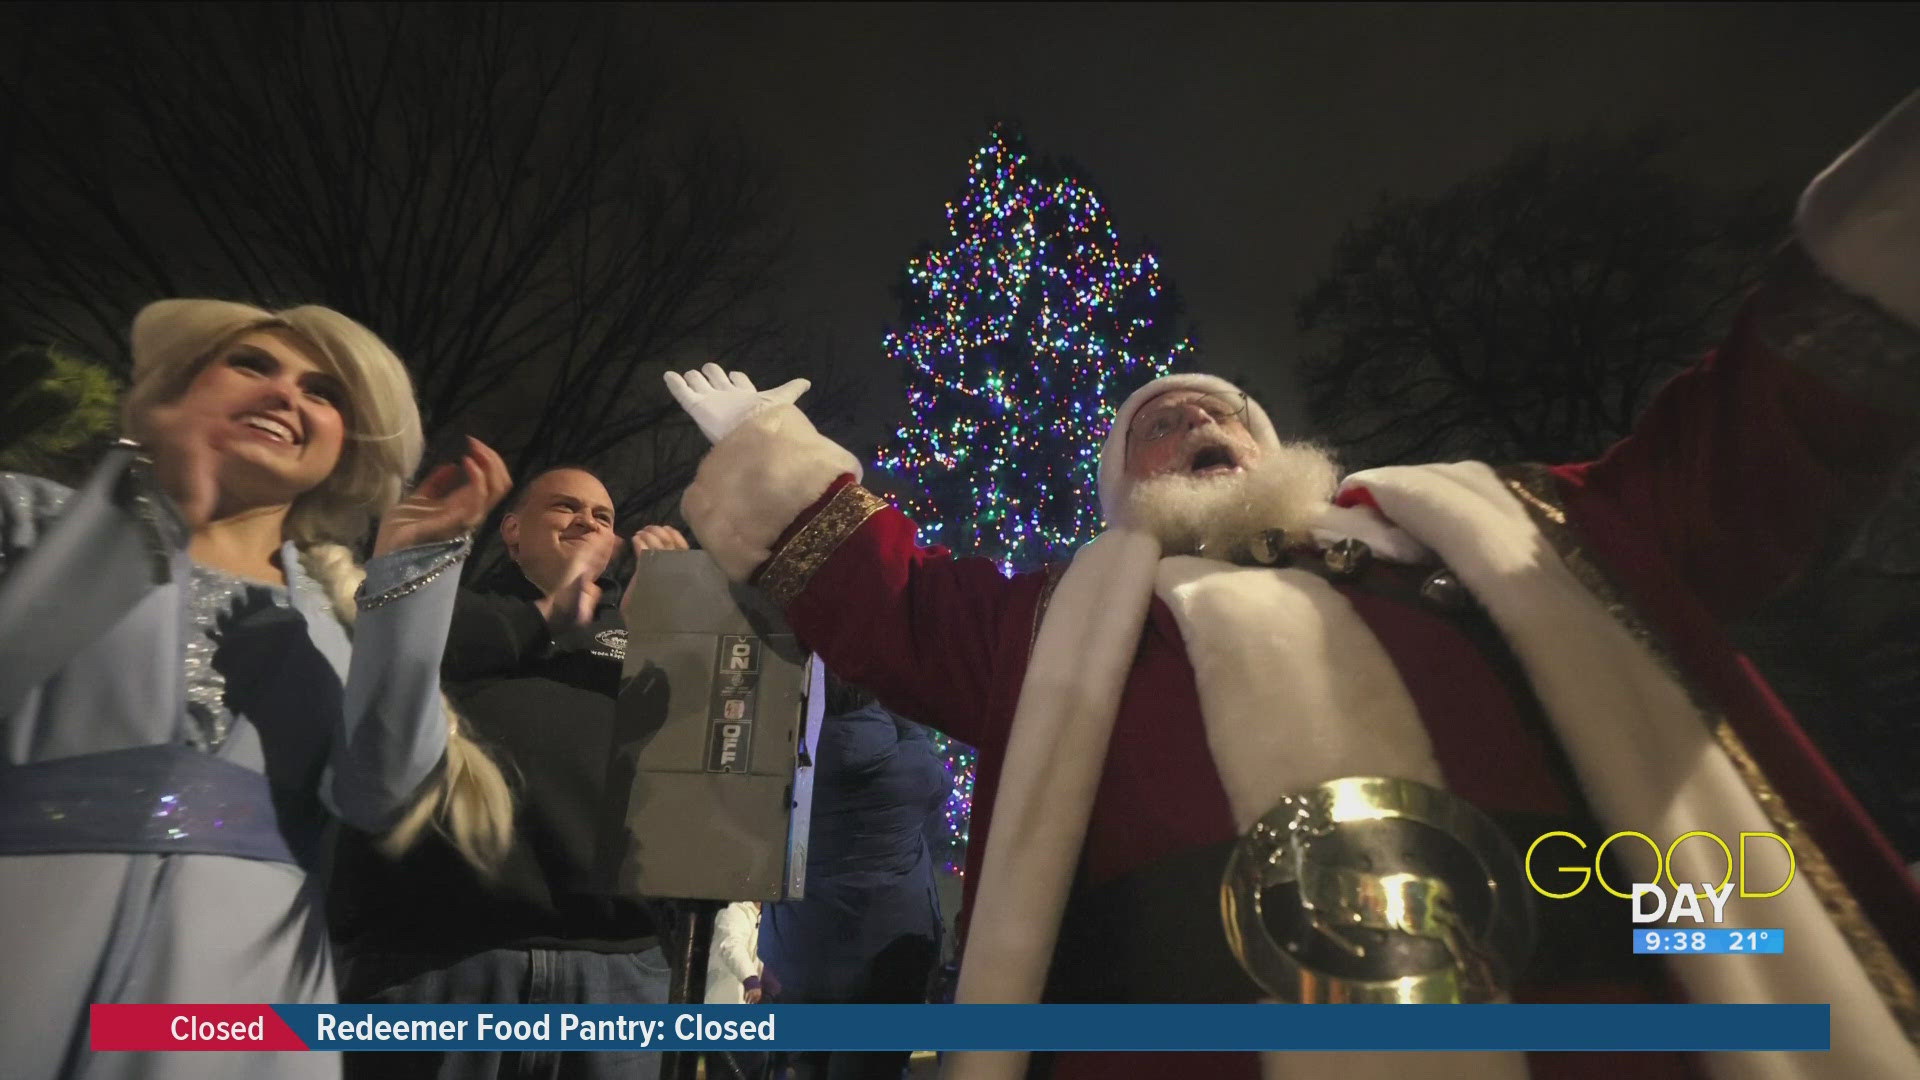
178	744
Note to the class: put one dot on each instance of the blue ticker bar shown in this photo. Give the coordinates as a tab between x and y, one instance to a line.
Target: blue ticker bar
1066	1027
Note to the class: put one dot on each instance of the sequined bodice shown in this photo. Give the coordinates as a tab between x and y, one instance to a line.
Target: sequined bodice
217	601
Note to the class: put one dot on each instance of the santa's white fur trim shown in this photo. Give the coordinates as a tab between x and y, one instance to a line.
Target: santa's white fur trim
1365	524
1113	482
1050	772
1860	219
1286	671
1646	759
756	481
1294	689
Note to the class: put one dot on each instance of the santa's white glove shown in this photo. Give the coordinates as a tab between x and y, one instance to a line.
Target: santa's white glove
720	400
1860	219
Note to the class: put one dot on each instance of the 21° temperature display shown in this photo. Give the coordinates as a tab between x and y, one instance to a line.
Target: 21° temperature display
1715	941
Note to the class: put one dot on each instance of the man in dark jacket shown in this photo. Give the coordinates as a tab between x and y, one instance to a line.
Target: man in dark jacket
533	666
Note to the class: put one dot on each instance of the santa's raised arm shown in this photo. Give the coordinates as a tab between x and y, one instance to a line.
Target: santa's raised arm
1540	643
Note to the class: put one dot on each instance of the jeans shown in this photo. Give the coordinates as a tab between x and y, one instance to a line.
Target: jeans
512	977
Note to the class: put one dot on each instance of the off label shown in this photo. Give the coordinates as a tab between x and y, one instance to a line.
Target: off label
730	712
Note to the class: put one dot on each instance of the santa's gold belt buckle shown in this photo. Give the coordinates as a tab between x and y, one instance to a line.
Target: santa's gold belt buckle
1377	890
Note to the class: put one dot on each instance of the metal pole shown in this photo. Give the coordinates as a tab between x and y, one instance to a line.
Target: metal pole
687	984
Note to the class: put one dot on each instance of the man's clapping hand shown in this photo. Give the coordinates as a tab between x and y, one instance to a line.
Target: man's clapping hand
658	538
573	602
655	538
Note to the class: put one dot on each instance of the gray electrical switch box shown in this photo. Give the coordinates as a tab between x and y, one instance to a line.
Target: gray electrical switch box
711	778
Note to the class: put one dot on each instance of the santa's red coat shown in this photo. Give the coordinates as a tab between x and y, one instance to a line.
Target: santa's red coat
1736	475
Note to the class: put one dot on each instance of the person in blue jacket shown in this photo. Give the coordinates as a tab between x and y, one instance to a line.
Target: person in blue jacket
869	929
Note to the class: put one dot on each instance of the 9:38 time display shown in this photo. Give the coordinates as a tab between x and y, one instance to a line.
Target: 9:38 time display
1718	940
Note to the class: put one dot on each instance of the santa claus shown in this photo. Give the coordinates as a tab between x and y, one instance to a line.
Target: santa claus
1540	642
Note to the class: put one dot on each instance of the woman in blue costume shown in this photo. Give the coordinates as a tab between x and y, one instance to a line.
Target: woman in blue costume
197	682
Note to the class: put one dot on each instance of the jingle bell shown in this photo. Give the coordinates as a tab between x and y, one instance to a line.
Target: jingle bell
1269	548
1443	590
1347	557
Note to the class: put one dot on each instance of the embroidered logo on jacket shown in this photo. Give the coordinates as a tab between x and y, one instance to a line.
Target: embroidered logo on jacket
611	644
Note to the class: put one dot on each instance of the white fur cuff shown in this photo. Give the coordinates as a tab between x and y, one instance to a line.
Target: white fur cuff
754	482
1860	219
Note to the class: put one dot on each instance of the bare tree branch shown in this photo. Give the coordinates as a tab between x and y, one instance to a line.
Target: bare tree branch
1548	296
517	204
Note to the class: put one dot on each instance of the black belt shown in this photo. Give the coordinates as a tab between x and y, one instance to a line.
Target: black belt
1151	936
1155	935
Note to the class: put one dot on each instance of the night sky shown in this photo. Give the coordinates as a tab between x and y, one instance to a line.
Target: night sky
1242	139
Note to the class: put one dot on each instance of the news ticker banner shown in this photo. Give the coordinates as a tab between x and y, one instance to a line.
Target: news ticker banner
960	1027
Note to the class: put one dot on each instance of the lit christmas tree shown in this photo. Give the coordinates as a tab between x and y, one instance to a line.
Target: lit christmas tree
956	815
1024	331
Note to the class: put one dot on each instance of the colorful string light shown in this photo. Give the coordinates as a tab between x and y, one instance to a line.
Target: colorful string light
962	765
1023	334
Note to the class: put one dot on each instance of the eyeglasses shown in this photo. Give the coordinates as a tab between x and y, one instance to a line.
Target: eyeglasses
1156	422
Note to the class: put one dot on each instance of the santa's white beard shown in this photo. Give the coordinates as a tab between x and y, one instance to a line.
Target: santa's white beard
1285	488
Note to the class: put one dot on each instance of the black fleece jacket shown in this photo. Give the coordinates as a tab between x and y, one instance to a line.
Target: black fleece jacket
544	707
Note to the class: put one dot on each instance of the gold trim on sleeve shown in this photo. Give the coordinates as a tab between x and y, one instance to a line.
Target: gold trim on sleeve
794	564
1535	487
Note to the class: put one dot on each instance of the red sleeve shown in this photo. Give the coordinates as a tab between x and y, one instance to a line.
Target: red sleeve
1740	472
1743	468
917	627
